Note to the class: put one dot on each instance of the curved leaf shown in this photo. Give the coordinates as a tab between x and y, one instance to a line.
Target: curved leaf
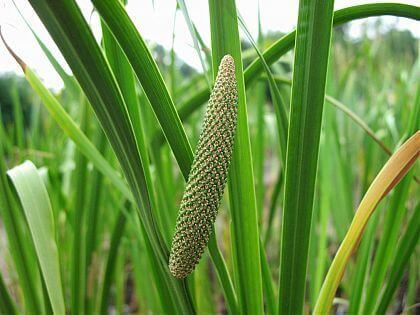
287	42
37	208
392	172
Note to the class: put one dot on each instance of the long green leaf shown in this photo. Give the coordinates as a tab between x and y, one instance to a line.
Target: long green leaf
273	206
37	208
278	102
78	265
145	67
194	36
69	81
74	38
342	16
308	92
282	120
286	43
225	280
126	80
95	204
245	237
349	113
71	129
117	234
5	140
149	76
268	285
18	116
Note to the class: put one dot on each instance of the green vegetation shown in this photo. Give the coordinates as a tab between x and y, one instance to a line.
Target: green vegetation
315	132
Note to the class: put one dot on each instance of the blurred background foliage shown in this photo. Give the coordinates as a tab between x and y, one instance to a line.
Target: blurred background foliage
376	76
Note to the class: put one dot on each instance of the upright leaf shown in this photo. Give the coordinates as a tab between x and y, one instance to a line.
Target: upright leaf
245	237
308	92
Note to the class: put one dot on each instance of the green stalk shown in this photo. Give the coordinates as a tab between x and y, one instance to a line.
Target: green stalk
18	116
78	265
7	305
165	190
147	297
413	271
245	237
308	92
278	103
258	148
120	281
321	227
35	124
4	139
126	80
258	145
95	197
205	300
405	247
273	206
117	234
223	275
268	285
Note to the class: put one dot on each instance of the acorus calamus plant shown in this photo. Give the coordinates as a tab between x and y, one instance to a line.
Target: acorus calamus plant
208	175
100	198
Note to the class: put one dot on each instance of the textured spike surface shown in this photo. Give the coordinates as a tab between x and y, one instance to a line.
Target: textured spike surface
208	175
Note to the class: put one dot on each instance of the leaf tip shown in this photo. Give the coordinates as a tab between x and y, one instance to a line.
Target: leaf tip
14	55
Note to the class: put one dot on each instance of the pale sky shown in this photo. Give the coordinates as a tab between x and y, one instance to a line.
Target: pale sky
156	24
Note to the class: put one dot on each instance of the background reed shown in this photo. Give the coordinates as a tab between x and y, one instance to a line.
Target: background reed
110	154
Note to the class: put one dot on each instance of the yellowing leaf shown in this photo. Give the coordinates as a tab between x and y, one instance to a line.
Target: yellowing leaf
390	175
